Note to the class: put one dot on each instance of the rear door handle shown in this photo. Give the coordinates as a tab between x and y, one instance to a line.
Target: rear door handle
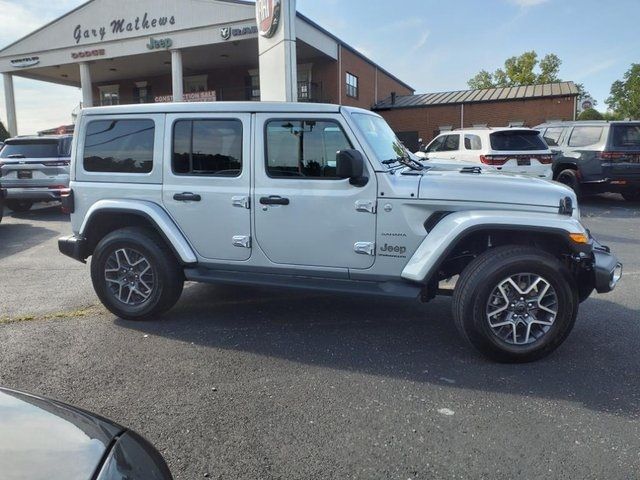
187	197
274	200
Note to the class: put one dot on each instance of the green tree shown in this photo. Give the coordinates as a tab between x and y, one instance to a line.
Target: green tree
590	114
520	70
4	134
624	98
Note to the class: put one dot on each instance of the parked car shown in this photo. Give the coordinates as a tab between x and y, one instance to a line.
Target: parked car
596	156
512	150
46	439
3	193
35	169
255	193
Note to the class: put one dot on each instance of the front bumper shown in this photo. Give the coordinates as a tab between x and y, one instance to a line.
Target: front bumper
36	194
607	269
74	247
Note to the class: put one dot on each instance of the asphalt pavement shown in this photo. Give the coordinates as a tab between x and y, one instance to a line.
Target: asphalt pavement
257	383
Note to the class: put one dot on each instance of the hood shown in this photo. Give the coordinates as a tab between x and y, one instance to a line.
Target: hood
442	183
41	438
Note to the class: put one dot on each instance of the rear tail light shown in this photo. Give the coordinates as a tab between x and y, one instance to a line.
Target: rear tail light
545	159
493	159
611	155
68	203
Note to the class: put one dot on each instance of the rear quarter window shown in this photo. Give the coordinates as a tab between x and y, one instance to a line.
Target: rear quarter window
119	146
517	140
625	136
583	136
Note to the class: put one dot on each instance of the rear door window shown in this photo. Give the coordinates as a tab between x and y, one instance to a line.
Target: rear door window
517	140
119	146
472	142
30	149
625	136
583	136
552	136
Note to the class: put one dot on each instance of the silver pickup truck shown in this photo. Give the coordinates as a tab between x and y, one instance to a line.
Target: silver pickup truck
326	198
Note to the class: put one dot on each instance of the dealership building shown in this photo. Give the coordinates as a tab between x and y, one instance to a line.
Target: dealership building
123	51
426	115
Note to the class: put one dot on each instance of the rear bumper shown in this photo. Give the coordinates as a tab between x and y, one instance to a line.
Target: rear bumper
607	269
40	194
73	246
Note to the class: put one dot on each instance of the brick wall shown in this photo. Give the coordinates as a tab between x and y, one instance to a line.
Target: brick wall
428	120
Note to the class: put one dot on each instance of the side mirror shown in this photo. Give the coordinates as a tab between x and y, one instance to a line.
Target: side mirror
350	164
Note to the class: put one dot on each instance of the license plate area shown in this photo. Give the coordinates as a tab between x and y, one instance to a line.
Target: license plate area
25	174
524	162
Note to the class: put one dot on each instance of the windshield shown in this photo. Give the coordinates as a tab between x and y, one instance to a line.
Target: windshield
33	149
381	138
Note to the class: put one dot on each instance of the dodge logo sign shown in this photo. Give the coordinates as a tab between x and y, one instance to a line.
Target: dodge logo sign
268	17
225	33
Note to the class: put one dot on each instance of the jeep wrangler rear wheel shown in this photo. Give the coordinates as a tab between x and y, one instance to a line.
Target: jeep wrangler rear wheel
135	274
515	303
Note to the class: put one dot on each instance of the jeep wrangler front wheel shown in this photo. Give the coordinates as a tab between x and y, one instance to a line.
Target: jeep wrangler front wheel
515	303
135	275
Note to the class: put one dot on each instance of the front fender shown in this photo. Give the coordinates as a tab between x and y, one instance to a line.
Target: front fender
454	227
152	212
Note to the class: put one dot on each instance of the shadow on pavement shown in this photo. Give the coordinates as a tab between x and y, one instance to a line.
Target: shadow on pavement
44	213
17	237
597	367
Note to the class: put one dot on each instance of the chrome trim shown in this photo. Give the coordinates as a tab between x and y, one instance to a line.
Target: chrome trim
365	248
241	202
366	206
243	241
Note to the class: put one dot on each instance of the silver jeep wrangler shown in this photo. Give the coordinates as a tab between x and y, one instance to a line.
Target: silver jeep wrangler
326	198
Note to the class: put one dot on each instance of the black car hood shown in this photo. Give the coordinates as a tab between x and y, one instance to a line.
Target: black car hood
44	439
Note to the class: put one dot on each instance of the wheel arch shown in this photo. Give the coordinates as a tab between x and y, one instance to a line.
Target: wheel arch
564	164
107	216
459	238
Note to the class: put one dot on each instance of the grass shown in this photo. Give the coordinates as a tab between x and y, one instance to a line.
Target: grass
78	313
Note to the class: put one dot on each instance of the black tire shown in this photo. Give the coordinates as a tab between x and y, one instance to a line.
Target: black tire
569	177
631	195
484	274
168	276
19	205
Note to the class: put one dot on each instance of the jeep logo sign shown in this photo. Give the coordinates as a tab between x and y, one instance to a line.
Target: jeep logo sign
397	249
268	17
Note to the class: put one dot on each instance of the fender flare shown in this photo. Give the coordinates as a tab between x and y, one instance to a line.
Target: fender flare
453	228
154	213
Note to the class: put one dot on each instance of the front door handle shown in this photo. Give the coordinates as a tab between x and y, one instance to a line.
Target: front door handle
274	200
187	197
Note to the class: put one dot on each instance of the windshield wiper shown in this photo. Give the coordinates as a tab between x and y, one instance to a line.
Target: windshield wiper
405	161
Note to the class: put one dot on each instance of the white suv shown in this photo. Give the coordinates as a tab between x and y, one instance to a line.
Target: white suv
512	150
326	198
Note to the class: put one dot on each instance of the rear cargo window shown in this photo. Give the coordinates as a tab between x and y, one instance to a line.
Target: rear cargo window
583	136
517	140
31	149
625	136
119	146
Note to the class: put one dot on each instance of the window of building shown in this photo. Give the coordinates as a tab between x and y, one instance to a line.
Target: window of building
207	147
582	136
119	146
352	85
552	136
195	84
109	95
304	148
472	142
142	93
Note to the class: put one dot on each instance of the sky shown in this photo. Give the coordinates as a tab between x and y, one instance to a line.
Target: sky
433	45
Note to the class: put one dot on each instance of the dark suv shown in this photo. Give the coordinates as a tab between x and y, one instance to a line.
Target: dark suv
34	169
596	156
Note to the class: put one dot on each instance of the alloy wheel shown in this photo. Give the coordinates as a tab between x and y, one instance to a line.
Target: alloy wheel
130	277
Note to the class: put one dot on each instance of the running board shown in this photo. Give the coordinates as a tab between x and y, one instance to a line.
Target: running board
387	289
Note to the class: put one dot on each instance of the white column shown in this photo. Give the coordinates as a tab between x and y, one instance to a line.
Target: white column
85	84
277	57
10	104
176	75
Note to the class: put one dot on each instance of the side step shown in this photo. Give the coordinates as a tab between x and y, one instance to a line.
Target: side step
388	289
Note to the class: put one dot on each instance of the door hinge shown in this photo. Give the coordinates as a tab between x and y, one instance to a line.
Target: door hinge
241	201
365	248
366	206
243	241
